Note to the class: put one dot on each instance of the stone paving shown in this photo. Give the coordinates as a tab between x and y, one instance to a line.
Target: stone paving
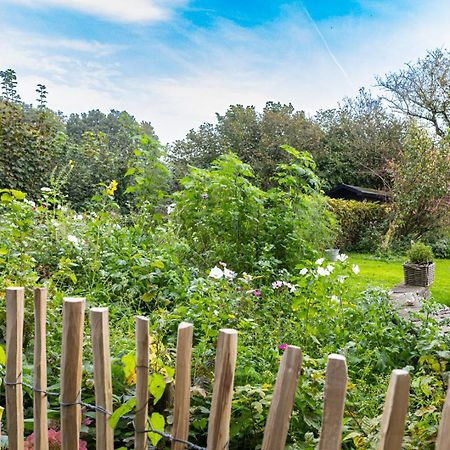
409	299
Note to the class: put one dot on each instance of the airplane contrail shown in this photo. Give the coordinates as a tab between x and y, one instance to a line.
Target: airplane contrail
327	48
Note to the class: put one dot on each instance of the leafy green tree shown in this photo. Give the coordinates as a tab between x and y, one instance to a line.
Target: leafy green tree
198	149
360	139
9	86
421	186
30	146
422	90
148	176
102	148
255	137
42	96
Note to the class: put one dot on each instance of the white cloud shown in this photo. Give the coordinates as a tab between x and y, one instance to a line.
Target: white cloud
284	60
115	10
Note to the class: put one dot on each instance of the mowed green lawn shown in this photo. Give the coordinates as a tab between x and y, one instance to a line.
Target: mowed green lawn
375	272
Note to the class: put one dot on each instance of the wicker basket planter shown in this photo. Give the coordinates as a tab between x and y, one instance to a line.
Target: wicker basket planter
418	274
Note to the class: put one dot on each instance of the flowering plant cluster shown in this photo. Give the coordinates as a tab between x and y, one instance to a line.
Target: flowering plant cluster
54	441
218	273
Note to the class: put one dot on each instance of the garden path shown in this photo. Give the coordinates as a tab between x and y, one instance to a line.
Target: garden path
408	300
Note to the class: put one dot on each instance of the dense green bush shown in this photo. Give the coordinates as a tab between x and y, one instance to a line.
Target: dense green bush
362	224
440	243
100	148
136	265
227	217
421	185
420	253
315	310
31	144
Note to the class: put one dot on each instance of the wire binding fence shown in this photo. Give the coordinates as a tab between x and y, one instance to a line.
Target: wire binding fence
277	424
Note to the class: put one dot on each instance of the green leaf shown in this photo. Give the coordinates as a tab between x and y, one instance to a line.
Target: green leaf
156	386
6	198
121	411
129	367
130	189
157	264
19	195
3	251
130	171
73	278
2	356
157	423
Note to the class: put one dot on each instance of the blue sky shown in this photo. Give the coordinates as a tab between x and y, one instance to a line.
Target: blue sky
177	62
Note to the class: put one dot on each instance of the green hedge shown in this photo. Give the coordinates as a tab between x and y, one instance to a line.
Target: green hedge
362	224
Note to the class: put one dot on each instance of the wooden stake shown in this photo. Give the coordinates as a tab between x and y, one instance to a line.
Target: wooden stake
142	362
277	424
334	402
102	377
395	410
40	370
71	371
443	439
220	414
15	300
182	385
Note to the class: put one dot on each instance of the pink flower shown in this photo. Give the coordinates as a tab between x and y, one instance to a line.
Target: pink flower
255	292
87	421
283	347
54	441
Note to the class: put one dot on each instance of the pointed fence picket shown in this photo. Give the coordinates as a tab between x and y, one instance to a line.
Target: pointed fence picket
277	425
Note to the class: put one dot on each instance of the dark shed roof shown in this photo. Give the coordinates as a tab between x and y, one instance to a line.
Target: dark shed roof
349	192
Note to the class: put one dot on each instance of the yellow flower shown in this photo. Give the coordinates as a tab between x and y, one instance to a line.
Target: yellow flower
112	187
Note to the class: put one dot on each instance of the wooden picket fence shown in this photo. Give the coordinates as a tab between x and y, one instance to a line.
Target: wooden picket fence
277	425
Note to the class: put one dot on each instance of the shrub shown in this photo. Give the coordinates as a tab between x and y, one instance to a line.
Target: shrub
421	183
440	244
228	218
362	224
420	253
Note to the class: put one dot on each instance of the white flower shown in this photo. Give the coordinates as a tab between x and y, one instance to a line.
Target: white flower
355	269
304	271
320	261
171	208
323	272
342	257
45	189
29	202
73	239
78	217
330	268
277	284
341	278
292	288
228	274
216	272
334	299
246	277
